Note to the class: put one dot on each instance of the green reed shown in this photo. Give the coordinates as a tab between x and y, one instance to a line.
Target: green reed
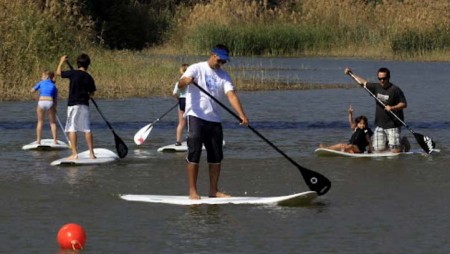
262	40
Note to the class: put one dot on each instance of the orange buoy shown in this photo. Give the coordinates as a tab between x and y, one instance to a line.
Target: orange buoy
71	236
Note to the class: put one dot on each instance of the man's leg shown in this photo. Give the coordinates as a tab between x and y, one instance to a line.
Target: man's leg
214	174
73	143
90	143
192	170
379	140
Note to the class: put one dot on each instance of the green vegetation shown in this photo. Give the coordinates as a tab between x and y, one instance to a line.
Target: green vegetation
123	37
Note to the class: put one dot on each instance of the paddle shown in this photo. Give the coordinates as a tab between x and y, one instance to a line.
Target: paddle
425	142
143	133
62	128
315	181
121	147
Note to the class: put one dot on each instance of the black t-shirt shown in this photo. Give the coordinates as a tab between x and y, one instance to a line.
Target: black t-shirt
81	86
390	96
359	138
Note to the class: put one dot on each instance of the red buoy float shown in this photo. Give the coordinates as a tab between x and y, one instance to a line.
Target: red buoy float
71	236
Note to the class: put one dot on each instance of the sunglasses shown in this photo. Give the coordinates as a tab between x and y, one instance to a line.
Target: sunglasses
222	61
385	78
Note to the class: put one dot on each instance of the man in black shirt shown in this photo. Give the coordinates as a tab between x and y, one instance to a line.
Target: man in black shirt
388	128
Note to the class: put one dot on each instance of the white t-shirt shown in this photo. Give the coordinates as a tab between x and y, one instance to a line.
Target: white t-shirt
216	82
181	93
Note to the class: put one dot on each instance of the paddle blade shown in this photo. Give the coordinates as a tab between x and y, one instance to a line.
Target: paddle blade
121	147
425	143
142	134
315	181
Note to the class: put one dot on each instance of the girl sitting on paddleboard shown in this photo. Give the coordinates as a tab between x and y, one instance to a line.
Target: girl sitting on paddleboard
48	94
360	139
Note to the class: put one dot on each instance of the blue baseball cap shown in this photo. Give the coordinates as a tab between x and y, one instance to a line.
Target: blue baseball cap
221	53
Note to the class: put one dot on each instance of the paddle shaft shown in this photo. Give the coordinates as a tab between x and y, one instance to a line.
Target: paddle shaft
121	147
382	104
311	177
163	115
425	142
95	103
62	128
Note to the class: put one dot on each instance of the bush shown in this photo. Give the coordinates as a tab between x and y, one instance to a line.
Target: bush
31	39
414	42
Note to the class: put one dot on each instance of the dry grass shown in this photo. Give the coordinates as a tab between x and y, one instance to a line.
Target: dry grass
31	37
34	34
122	74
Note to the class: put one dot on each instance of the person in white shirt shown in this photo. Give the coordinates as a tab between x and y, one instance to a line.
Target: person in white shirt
180	94
203	116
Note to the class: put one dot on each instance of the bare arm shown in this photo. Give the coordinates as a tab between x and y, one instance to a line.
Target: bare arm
61	62
351	121
237	106
358	79
185	81
399	106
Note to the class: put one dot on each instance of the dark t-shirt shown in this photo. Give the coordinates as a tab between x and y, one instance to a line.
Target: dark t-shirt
81	86
390	96
359	138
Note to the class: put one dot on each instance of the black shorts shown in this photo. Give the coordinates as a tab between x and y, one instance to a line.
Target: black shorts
209	134
182	104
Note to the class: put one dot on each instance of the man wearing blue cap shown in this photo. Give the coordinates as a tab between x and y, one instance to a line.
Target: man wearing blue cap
203	116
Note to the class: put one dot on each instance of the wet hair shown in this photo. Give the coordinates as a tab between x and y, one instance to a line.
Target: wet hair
83	60
183	68
361	118
385	70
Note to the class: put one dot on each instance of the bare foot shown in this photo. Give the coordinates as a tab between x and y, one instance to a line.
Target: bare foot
219	195
55	141
72	157
322	146
38	142
92	156
194	196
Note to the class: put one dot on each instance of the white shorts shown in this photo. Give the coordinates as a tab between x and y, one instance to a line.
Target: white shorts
45	105
382	137
78	119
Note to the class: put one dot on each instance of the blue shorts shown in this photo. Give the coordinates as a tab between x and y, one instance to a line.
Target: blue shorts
182	104
209	134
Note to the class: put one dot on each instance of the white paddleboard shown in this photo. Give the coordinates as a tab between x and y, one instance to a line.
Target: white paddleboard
46	144
329	152
289	200
103	156
174	148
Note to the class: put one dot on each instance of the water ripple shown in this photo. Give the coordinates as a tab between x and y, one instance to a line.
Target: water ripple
277	125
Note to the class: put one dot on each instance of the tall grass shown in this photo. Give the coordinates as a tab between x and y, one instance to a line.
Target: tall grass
387	29
122	74
31	38
34	34
283	39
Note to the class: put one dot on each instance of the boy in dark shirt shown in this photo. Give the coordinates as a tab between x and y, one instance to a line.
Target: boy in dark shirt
81	88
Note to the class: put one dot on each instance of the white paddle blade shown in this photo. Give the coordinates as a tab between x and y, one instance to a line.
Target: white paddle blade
142	134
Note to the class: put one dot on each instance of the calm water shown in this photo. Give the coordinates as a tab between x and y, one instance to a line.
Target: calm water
374	206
